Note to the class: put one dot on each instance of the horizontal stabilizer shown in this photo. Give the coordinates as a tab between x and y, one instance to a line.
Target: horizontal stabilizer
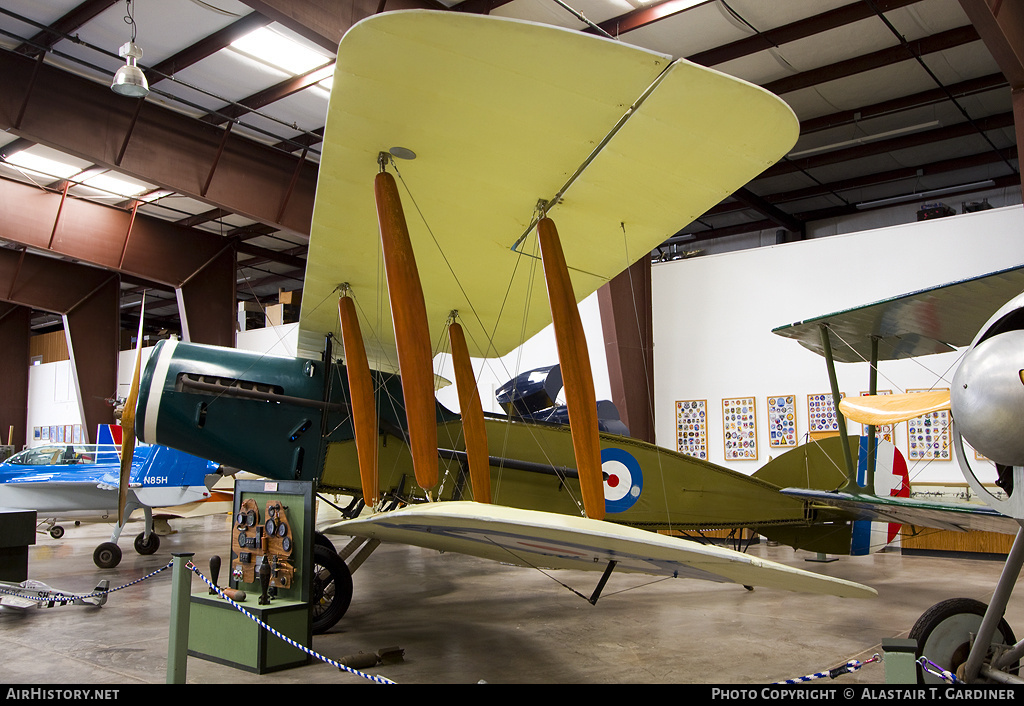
552	541
893	409
957	517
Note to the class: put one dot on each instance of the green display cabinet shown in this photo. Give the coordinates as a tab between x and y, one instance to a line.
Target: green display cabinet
272	526
218	632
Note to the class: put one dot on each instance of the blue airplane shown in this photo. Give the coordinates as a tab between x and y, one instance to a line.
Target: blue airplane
81	480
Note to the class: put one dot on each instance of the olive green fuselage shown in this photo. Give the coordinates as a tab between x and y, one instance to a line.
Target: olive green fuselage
288	418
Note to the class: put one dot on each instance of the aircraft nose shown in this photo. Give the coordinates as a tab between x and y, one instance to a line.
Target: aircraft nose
987	398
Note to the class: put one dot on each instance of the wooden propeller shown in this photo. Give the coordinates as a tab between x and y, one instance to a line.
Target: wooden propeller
128	424
893	409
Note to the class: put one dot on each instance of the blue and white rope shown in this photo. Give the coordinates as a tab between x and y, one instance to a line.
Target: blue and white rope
65	598
852	666
293	643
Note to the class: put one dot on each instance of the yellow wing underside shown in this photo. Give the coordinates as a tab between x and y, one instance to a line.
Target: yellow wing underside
502	114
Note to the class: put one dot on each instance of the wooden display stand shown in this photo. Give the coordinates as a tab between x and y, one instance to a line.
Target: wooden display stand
273	523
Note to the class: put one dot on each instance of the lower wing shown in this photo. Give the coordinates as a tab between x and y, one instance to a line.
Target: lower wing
958	517
554	541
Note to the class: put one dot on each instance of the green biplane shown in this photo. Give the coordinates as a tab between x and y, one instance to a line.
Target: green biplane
497	129
959	639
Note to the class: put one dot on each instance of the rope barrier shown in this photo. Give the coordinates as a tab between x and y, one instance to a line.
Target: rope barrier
852	666
48	595
293	643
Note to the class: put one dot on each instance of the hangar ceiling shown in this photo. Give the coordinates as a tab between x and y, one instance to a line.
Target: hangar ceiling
899	101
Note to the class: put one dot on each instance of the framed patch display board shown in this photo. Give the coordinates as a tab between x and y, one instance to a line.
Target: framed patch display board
928	436
782	421
692	428
821	413
739	424
882	431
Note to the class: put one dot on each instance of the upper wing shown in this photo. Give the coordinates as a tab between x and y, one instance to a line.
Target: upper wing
959	517
933	320
555	541
502	114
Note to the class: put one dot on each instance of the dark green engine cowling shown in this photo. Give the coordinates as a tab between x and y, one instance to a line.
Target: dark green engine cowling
271	416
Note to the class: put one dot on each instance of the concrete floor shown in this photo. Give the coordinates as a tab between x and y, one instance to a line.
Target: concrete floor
465	620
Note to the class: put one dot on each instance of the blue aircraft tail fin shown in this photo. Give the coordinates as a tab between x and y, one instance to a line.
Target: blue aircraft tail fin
154	465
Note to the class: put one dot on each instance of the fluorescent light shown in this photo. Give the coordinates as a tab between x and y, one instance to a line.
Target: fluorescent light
116	185
42	166
927	194
866	139
269	47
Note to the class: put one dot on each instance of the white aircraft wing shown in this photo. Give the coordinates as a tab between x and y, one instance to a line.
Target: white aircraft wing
552	541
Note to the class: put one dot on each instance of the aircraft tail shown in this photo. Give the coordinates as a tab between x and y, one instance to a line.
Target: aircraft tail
820	466
154	465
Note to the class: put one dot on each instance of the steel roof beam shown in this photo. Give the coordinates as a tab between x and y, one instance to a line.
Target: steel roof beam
160	146
104	236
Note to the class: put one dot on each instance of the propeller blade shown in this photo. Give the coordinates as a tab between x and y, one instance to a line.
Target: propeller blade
893	409
128	425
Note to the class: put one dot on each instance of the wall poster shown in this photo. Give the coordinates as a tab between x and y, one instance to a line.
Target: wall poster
692	428
739	423
928	436
782	421
821	413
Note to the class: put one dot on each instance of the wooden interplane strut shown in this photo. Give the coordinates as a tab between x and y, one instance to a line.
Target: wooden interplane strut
576	373
364	413
412	335
472	416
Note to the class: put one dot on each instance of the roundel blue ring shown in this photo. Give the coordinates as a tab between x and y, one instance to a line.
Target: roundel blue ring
626	459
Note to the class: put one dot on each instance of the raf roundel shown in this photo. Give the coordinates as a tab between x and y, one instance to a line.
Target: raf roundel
623	479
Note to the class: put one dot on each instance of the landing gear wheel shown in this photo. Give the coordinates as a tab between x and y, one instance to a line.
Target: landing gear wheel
107	555
146	548
943	635
321	541
330	589
56	531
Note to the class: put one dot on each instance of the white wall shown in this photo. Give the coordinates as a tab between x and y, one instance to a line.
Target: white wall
713	317
539	351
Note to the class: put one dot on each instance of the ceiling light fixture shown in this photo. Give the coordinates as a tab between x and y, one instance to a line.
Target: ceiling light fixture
866	139
130	80
918	196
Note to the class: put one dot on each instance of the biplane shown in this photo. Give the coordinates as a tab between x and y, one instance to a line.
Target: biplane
80	481
454	145
984	316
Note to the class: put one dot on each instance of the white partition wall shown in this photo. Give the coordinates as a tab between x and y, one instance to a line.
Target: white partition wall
713	318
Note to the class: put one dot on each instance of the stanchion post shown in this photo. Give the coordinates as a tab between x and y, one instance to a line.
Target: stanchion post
900	661
177	646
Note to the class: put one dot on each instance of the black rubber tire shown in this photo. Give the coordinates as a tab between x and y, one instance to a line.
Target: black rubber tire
321	541
107	555
56	531
146	548
330	589
943	634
